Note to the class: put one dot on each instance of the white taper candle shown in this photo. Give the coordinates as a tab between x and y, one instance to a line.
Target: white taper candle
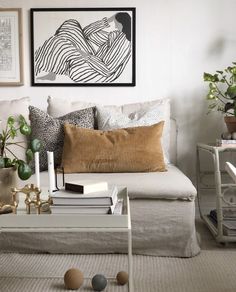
37	171
51	172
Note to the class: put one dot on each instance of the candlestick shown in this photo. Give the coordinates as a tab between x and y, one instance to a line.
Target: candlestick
37	171
51	172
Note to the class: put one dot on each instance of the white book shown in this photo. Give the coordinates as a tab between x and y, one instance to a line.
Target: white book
115	209
80	209
86	186
104	198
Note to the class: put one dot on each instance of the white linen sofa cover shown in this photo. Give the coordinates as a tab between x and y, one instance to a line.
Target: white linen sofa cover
162	215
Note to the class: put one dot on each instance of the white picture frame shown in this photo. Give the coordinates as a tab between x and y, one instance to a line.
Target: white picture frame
11	59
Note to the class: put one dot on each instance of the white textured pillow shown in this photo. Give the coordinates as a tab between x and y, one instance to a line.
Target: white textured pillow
135	115
132	113
58	107
15	108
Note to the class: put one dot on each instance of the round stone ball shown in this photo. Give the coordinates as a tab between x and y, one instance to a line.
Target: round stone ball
226	136
99	282
122	278
234	135
73	279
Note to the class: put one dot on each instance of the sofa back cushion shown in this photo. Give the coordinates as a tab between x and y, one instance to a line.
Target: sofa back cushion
133	114
135	149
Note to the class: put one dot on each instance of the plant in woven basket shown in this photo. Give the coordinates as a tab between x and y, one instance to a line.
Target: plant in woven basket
7	136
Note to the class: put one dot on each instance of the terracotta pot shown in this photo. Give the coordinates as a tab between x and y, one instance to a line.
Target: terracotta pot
230	123
8	180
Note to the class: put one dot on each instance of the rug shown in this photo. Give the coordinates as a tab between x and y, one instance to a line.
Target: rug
211	271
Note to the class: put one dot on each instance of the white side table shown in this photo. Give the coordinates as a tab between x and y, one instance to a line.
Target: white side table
220	190
22	222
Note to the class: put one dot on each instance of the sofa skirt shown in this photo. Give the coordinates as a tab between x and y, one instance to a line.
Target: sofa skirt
159	228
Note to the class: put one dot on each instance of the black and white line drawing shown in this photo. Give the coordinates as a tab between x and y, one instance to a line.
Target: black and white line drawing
95	54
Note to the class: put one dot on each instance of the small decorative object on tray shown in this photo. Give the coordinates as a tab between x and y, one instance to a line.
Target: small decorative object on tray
5	209
32	198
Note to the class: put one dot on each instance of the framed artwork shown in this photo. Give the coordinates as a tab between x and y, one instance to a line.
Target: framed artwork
11	67
83	46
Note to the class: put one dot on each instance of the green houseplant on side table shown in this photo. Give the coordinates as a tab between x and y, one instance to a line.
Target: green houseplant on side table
222	94
10	164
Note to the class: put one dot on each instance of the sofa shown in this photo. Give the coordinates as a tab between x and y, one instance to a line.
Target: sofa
162	208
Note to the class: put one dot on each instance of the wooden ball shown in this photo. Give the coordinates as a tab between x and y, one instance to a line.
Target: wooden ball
73	279
122	278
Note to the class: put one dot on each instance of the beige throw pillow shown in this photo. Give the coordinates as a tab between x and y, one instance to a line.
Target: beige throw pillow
136	149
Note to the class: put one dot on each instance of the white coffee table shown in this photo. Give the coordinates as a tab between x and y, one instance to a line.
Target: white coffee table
22	222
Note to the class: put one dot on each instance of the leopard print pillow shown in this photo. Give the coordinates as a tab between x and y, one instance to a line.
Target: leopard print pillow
51	130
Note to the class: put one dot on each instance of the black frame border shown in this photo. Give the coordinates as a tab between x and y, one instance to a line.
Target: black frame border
132	9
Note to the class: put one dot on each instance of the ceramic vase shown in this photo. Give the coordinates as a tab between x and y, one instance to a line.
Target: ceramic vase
8	180
230	123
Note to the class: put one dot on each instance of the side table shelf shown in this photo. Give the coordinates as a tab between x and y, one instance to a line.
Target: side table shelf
220	190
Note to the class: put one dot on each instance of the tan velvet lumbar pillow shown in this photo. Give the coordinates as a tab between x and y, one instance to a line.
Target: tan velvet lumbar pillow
136	149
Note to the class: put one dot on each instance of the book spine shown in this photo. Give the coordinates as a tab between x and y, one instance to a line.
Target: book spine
74	188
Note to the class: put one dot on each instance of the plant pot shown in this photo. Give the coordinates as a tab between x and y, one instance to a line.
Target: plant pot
8	180
230	123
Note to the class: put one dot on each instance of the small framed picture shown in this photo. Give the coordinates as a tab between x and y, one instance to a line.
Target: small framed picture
83	46
11	63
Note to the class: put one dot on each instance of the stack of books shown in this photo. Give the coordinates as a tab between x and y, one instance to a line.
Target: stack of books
229	220
225	143
86	198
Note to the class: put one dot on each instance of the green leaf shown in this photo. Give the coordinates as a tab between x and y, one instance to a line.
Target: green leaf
210	78
22	120
10	121
231	91
233	70
29	155
24	171
13	132
219	71
7	162
25	129
35	145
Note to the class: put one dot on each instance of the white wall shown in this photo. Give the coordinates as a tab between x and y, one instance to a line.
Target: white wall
176	42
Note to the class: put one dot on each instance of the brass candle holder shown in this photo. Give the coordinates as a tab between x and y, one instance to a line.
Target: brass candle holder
32	194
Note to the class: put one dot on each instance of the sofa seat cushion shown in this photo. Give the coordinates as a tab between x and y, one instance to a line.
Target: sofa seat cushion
171	185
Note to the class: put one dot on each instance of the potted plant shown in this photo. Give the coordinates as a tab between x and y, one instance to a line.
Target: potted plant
222	94
10	164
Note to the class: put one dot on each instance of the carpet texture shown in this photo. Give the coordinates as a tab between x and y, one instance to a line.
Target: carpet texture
211	271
